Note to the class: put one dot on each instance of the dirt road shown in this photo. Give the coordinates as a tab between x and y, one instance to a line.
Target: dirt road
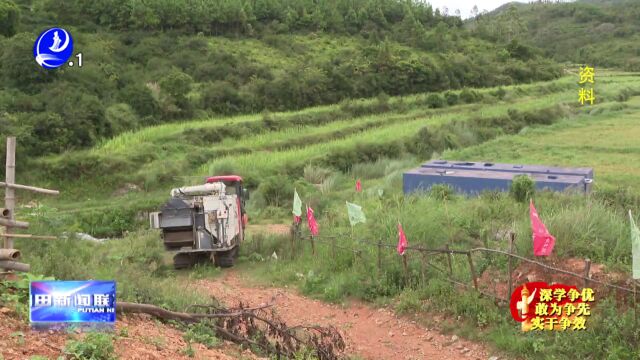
137	337
370	333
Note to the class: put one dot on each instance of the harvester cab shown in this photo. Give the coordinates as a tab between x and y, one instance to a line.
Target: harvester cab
204	222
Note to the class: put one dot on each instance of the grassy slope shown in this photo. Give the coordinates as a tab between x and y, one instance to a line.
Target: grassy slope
607	142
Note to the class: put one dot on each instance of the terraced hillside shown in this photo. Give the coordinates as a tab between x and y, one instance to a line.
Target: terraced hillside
157	158
321	151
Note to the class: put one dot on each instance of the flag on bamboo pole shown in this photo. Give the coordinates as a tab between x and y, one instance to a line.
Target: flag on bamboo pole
543	241
358	186
635	247
355	214
297	207
402	240
313	224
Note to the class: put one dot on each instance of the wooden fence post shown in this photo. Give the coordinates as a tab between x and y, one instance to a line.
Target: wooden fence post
313	245
9	192
379	256
587	269
512	238
449	260
405	265
423	266
293	240
473	271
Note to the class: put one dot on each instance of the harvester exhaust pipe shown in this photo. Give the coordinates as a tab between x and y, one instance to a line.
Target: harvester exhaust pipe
199	189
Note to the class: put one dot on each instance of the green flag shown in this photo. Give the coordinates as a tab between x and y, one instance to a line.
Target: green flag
635	247
355	214
297	204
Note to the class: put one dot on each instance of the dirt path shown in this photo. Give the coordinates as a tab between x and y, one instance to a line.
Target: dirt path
137	338
370	333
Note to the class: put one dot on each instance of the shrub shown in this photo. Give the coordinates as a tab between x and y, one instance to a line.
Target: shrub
523	188
276	191
500	93
435	101
202	333
121	118
451	97
441	192
469	96
315	174
94	346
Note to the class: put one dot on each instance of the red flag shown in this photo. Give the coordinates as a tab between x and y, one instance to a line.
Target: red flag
358	186
313	224
402	240
543	242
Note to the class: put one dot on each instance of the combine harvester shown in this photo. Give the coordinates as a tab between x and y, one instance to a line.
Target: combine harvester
204	222
472	178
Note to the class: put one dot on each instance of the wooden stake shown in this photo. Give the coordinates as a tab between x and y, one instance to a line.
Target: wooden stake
313	245
9	193
449	259
635	303
379	256
405	265
473	271
512	238
293	241
587	268
423	267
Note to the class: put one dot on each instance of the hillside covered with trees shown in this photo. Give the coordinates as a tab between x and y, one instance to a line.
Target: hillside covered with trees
157	61
602	33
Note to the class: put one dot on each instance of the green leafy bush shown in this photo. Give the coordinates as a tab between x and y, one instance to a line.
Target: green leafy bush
435	101
523	187
94	346
202	333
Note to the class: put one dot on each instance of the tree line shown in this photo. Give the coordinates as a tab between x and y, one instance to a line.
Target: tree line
135	76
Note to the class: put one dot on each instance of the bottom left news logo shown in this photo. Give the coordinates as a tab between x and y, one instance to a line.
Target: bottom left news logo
60	303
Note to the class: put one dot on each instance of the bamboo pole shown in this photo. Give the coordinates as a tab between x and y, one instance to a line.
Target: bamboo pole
12	223
9	254
10	185
14	265
29	236
4	212
9	193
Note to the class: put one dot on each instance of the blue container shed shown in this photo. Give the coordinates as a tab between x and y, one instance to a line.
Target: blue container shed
517	168
473	178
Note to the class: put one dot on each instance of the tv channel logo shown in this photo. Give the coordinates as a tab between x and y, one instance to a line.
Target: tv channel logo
72	302
53	48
